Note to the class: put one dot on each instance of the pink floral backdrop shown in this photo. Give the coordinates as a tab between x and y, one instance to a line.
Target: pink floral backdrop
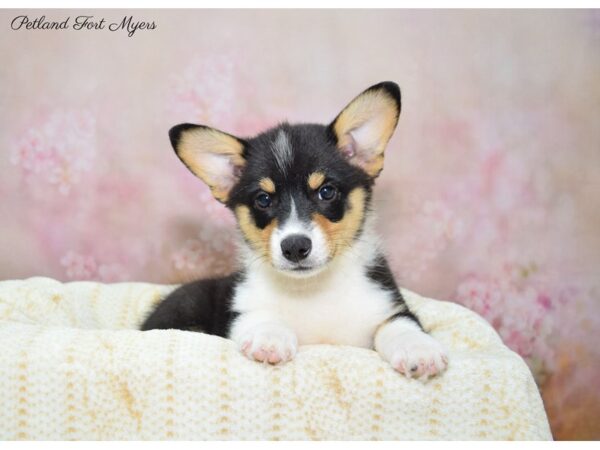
490	195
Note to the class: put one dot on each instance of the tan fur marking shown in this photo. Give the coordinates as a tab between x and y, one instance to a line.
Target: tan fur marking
363	108
340	234
259	239
267	185
315	180
197	145
374	167
220	194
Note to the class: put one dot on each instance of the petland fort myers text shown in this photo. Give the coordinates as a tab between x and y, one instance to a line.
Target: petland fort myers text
128	24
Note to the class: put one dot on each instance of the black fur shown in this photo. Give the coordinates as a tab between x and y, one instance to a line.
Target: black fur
203	305
381	274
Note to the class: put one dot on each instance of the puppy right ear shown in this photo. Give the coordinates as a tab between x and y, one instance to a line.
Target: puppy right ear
217	158
366	124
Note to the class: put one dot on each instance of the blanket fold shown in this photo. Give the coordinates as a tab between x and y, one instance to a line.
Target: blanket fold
73	366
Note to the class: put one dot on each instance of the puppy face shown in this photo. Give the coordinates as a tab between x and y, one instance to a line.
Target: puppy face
300	192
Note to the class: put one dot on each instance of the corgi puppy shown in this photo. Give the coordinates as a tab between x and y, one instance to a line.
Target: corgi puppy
312	270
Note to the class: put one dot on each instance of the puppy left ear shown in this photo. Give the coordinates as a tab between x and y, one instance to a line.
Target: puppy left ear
365	126
217	158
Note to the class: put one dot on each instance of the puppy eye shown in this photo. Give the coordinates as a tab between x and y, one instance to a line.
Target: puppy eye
263	200
327	192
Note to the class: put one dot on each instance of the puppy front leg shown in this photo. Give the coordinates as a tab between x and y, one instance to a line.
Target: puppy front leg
262	337
409	349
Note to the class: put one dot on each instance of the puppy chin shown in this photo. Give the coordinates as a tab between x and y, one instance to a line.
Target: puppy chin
299	271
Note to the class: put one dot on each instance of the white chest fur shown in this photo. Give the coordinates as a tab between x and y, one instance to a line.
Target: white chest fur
340	306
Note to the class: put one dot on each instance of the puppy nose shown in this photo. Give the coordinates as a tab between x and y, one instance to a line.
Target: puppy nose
296	247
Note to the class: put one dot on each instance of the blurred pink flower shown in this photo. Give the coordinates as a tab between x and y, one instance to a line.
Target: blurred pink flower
58	150
85	267
79	267
529	309
210	254
111	273
217	90
206	90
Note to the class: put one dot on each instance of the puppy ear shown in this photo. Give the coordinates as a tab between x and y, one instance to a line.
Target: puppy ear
365	126
215	157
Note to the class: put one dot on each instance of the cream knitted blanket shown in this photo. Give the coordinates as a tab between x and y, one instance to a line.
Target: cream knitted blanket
73	366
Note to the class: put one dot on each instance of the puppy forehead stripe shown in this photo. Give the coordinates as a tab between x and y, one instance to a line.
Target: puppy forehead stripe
316	179
282	151
293	223
292	219
267	185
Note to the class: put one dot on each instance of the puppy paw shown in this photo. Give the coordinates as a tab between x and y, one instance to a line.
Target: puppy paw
269	343
416	354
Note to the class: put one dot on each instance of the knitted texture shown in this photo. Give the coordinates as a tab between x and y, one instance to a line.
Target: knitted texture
73	366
